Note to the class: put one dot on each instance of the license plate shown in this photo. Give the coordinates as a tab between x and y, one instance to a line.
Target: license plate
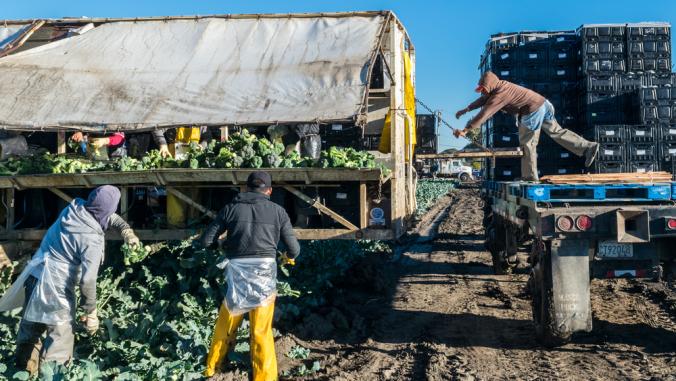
612	249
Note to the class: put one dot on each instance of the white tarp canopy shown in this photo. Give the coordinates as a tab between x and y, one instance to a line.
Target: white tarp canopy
140	75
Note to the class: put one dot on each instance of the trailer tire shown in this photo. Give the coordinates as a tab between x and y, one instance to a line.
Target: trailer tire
464	177
495	245
540	285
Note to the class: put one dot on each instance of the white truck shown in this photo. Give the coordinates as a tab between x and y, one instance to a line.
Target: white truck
455	168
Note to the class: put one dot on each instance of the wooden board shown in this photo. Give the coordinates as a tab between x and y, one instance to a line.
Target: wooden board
495	152
188	176
609	178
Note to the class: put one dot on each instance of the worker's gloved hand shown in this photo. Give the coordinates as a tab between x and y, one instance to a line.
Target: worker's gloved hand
91	322
460	113
99	142
459	133
130	237
286	260
77	137
164	151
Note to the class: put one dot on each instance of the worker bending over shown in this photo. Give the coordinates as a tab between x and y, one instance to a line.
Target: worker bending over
70	254
254	225
532	112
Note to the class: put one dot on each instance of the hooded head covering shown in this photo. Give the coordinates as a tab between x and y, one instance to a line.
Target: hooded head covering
489	81
102	203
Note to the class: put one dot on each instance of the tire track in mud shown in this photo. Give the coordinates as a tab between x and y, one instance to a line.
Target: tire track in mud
448	317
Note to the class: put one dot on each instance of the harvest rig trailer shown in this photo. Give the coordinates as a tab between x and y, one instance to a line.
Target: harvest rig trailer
580	227
229	72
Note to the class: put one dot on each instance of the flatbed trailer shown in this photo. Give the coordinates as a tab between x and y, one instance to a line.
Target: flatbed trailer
575	233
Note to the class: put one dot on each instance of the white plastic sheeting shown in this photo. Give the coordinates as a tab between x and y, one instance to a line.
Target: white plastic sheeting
132	75
9	33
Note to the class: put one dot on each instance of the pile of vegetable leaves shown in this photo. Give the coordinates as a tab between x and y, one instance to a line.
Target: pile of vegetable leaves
428	192
241	150
157	312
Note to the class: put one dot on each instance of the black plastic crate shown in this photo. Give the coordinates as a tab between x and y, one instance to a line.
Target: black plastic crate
661	65
604	49
560	170
641	152
506	74
629	83
608	32
643	166
503	58
502	140
653	114
667	132
603	65
643	48
533	72
533	53
601	100
601	83
609	166
558	155
648	95
507	41
506	172
426	123
643	31
642	133
603	116
348	130
661	80
615	133
612	152
562	72
563	55
667	151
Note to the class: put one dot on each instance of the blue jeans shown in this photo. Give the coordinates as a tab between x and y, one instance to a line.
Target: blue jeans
534	120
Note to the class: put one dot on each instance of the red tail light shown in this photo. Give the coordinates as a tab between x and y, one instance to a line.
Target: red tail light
671	223
564	223
583	222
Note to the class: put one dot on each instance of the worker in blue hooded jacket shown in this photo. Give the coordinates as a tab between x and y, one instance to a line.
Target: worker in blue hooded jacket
70	255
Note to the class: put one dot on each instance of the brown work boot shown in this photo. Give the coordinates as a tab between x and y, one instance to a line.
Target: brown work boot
28	357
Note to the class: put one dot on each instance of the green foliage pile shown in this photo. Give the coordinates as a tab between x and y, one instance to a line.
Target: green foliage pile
157	311
428	192
242	150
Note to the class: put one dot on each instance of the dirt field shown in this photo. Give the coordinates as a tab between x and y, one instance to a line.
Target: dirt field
447	317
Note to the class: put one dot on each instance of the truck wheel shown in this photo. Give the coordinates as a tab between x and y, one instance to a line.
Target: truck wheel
540	285
464	177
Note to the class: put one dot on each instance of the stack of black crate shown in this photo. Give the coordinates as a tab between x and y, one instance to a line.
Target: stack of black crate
427	141
547	63
602	104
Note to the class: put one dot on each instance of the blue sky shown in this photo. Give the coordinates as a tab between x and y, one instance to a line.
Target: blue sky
449	35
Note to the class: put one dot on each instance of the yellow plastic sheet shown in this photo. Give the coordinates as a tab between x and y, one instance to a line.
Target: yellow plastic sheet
409	122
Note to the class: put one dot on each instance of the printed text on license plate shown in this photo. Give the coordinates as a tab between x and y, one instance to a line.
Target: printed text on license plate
612	249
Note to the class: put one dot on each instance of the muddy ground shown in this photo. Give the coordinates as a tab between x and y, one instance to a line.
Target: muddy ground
439	313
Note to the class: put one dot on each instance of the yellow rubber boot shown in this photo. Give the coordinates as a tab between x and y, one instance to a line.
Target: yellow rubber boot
225	333
263	358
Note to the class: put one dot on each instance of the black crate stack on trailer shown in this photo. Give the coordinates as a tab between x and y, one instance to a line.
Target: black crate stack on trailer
611	83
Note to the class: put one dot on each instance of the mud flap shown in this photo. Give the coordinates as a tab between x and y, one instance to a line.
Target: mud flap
571	299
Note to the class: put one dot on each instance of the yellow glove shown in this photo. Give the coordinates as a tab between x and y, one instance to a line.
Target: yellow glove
99	142
287	261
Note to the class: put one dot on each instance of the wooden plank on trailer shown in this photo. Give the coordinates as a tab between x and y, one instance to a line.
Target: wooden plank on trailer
187	176
61	142
647	177
472	154
321	207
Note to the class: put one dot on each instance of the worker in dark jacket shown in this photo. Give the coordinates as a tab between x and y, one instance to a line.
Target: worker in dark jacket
254	225
532	112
